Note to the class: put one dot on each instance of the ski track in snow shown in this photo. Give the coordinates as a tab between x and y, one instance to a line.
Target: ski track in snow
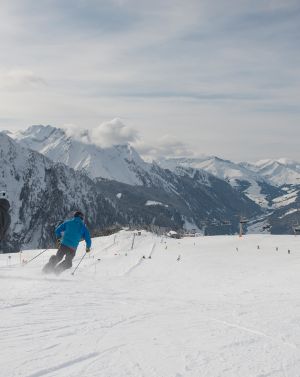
255	332
63	365
215	313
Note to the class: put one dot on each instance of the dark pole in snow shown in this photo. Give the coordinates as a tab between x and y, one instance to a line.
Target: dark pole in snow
133	241
78	264
30	260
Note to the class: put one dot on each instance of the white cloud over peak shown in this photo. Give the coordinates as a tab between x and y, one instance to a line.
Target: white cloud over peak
166	146
114	132
107	134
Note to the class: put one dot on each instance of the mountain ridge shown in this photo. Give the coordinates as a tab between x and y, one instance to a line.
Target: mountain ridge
43	192
126	164
184	183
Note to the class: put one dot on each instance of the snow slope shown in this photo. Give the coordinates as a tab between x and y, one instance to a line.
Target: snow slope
198	307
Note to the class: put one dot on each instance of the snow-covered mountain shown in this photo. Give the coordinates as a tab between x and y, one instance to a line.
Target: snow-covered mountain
123	164
273	184
223	169
192	191
199	204
277	172
238	176
119	162
42	193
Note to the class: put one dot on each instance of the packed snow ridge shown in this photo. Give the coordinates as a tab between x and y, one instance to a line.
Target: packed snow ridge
200	306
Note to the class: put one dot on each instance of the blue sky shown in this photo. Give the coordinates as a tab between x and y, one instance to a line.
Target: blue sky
188	77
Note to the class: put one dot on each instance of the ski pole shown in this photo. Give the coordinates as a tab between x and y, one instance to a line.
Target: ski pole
78	264
30	260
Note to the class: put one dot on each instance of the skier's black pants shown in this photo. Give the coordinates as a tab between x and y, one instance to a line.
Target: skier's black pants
63	251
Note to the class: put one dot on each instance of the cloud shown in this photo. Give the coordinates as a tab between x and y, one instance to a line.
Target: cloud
20	79
209	74
107	134
114	132
167	146
80	134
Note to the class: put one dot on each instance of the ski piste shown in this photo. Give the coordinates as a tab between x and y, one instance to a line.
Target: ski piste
215	312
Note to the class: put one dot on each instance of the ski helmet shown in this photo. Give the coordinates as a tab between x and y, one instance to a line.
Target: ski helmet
79	214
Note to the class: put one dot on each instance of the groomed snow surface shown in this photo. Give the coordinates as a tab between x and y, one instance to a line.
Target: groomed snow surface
200	307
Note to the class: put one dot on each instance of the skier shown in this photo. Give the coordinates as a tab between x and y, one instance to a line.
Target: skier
5	219
73	231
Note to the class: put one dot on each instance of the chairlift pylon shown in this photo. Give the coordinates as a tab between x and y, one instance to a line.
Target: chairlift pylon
296	229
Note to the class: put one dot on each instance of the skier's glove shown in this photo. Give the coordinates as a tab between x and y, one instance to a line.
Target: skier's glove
58	243
88	249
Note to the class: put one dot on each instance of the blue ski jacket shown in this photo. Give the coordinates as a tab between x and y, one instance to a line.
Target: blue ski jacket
73	231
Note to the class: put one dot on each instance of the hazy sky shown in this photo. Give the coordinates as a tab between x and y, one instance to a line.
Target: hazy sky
215	77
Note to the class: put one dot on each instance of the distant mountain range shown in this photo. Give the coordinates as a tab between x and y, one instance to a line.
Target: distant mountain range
115	185
277	172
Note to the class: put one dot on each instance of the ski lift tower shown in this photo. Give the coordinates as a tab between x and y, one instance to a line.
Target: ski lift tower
243	221
296	227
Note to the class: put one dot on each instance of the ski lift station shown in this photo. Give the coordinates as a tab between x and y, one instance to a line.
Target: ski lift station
173	234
